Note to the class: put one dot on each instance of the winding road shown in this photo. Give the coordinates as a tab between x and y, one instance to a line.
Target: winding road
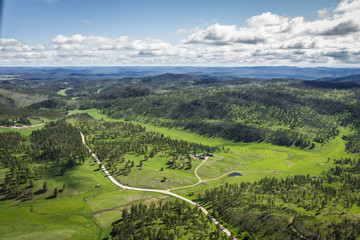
25	126
200	181
114	181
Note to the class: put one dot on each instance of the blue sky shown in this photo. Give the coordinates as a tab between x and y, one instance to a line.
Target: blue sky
169	32
37	21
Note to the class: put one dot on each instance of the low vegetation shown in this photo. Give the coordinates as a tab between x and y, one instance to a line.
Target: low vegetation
295	145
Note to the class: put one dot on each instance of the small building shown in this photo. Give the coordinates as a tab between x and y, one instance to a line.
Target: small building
97	185
209	154
199	155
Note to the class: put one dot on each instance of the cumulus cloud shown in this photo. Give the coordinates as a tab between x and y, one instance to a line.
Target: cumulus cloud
267	39
332	38
224	35
348	6
266	19
342	29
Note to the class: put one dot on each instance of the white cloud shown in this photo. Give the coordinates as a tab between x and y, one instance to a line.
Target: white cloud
273	39
224	35
348	6
323	13
266	19
269	39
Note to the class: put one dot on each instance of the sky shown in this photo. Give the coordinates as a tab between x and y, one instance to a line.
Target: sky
304	33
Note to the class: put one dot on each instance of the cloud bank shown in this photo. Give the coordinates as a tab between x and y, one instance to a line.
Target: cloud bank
268	39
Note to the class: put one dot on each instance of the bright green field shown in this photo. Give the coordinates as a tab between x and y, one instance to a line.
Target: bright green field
80	212
150	175
253	160
62	92
22	131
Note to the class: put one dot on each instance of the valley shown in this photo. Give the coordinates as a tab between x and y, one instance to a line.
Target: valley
291	146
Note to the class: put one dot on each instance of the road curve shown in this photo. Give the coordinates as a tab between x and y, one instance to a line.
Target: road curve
24	126
152	190
200	181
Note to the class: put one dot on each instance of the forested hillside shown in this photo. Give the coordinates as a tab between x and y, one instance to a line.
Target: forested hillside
289	115
57	146
297	207
292	145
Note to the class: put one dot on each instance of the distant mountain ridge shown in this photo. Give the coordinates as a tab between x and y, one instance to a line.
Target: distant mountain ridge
351	78
265	72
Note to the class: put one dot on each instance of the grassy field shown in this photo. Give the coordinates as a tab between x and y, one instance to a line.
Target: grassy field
22	131
107	207
253	160
84	212
62	92
80	212
150	175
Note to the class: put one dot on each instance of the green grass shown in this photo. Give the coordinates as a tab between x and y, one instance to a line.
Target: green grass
150	176
22	131
107	207
18	222
3	172
75	214
81	210
253	160
25	131
62	92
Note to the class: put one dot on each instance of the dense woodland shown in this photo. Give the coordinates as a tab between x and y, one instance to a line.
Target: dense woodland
294	207
282	115
57	146
285	112
114	141
280	111
10	116
167	221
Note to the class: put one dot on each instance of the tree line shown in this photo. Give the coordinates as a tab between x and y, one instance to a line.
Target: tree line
287	208
57	146
112	141
165	221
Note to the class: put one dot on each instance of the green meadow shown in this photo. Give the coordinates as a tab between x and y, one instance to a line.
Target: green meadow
22	131
150	176
82	211
62	92
253	160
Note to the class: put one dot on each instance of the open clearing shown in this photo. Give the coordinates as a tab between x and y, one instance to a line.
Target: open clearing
254	160
78	214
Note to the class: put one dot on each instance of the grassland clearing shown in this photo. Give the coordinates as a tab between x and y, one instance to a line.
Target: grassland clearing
255	160
81	211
